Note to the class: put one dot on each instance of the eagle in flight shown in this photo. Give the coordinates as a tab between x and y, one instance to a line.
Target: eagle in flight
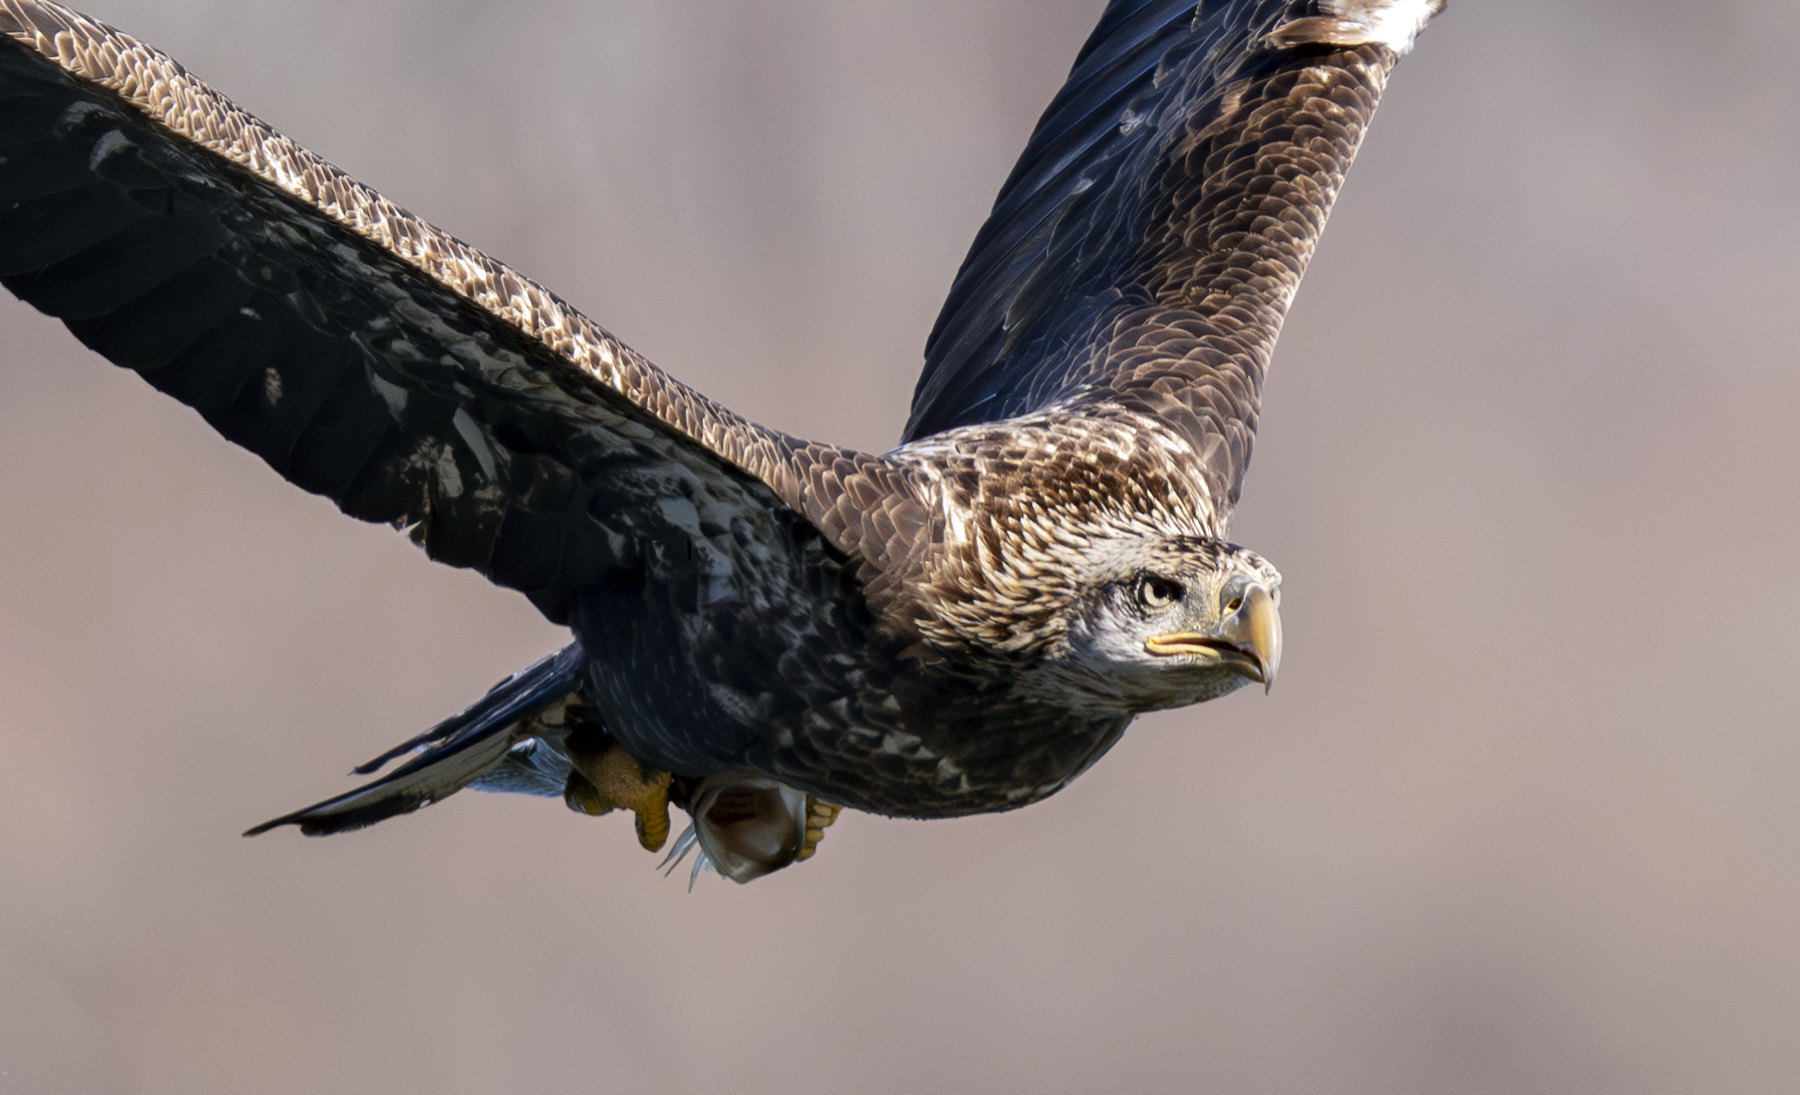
766	629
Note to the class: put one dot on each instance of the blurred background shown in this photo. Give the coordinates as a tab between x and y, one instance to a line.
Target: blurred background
1522	816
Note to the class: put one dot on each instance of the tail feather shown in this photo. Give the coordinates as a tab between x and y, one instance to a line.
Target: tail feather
463	749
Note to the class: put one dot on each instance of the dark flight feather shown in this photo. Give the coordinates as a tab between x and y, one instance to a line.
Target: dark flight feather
467	748
363	354
1190	150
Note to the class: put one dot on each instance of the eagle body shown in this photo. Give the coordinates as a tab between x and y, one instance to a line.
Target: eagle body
932	679
766	628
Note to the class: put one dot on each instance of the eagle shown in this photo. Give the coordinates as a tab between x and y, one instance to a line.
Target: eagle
766	629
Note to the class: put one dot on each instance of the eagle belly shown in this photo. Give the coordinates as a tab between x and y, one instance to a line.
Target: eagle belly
724	651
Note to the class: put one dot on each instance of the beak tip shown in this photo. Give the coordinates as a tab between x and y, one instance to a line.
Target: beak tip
1264	627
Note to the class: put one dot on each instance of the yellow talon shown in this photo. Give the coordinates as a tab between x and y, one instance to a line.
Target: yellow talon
819	816
583	798
614	780
652	819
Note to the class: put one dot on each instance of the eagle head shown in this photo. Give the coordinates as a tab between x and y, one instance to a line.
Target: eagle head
1165	622
1092	570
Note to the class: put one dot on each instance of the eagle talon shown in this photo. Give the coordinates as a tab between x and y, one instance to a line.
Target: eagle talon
614	780
819	816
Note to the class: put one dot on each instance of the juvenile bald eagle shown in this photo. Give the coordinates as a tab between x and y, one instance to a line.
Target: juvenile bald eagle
766	629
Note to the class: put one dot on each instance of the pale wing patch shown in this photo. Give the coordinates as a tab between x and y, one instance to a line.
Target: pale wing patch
1391	23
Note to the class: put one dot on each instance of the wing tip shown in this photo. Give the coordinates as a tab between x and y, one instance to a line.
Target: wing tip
346	813
276	823
305	822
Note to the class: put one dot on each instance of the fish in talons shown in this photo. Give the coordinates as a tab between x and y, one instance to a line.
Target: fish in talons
746	825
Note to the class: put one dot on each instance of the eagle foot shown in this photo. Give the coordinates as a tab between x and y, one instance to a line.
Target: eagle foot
819	816
612	779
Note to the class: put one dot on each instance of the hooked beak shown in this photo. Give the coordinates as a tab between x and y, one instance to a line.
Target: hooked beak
1248	641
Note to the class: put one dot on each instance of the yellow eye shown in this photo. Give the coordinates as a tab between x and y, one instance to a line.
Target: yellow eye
1234	604
1156	593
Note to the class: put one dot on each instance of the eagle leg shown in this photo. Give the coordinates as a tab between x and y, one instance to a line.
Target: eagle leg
612	779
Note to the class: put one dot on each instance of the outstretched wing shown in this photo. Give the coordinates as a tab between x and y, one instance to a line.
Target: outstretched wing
1146	247
364	354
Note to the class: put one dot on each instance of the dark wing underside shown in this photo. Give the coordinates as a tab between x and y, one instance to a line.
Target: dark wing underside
363	354
1146	246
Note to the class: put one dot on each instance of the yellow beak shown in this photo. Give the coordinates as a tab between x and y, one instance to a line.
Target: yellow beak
1248	641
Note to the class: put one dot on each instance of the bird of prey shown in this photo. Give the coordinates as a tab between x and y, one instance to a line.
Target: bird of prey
766	629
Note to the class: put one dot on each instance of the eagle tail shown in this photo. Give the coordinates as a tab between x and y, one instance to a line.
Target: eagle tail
498	743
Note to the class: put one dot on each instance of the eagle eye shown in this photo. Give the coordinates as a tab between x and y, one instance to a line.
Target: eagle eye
1154	592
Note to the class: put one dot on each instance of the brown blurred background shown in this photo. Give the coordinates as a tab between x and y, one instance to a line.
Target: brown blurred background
1522	816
